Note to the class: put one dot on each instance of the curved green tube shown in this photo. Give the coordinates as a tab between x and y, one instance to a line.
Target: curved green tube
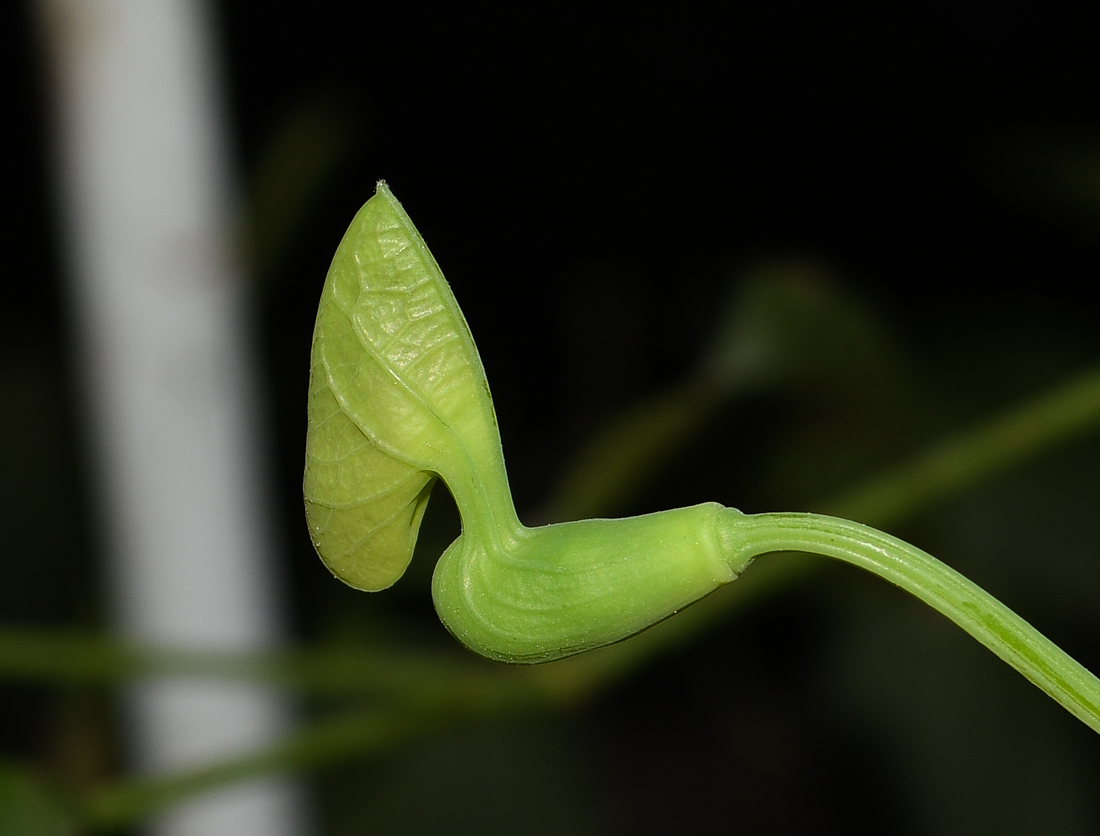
398	397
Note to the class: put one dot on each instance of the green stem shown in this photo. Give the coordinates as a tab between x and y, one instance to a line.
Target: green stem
130	801
938	585
971	457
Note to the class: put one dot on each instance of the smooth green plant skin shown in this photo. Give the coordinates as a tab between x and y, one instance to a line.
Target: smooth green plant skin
566	588
398	396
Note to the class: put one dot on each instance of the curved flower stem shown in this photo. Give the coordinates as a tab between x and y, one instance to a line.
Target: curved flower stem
941	587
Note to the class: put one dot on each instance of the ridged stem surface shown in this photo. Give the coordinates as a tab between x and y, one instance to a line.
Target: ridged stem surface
938	585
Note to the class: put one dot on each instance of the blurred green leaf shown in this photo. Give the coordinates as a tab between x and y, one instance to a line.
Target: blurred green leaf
787	327
28	807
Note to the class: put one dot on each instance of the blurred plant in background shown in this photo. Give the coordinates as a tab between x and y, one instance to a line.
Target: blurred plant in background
631	375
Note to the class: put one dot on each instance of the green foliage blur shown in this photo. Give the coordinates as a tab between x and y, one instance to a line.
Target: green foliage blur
748	261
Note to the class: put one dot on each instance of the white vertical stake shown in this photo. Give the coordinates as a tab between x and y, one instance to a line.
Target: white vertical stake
167	371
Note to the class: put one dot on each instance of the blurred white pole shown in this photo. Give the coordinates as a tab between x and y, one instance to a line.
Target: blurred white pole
164	344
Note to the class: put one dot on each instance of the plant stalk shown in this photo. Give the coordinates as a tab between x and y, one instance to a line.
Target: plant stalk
980	614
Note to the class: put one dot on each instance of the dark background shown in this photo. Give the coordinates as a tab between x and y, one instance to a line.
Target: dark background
593	183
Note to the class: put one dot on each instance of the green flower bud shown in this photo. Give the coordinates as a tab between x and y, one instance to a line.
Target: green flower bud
567	588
